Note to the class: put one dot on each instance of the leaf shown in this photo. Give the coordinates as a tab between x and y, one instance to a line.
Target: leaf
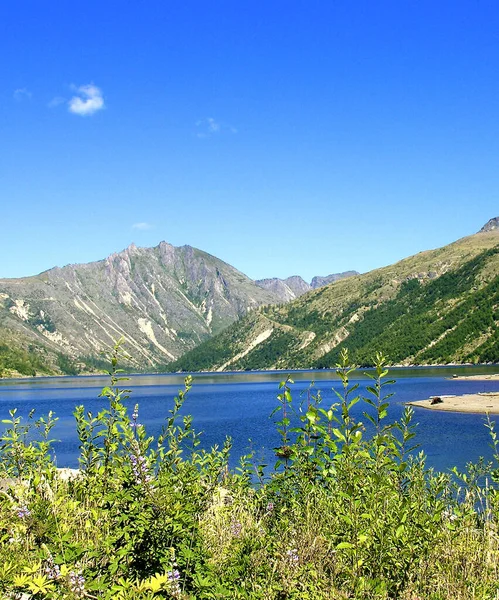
344	546
40	585
339	435
21	580
353	402
370	418
311	416
347	519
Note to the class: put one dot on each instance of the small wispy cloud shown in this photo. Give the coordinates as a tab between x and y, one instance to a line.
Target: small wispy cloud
88	100
208	127
213	126
22	94
142	226
56	101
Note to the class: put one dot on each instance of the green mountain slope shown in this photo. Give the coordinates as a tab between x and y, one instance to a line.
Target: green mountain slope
438	306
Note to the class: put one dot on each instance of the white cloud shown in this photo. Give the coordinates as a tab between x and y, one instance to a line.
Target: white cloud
142	226
87	101
213	126
22	94
210	126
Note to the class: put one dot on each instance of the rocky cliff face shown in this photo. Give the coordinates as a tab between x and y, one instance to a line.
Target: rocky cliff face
285	289
162	300
491	225
294	287
318	281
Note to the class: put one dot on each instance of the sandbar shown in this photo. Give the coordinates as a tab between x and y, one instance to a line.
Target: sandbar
491	377
483	402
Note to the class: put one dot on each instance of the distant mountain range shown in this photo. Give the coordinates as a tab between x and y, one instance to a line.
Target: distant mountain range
163	301
294	287
439	306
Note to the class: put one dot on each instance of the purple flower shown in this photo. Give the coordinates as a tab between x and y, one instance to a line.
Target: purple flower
173	575
135	416
23	512
235	528
140	468
52	571
270	507
76	583
292	556
174	581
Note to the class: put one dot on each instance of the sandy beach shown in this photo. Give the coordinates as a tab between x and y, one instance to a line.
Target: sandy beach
486	402
492	377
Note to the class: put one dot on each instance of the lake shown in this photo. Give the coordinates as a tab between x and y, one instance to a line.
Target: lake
239	405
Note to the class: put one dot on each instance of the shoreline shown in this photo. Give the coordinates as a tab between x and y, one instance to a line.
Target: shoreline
484	377
392	369
480	403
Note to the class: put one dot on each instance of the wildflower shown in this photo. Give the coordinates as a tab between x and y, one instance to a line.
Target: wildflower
270	507
52	570
235	528
140	468
135	416
76	583
23	512
174	581
292	556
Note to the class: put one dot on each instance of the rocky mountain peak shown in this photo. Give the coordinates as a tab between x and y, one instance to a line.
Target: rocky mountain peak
492	225
319	281
294	286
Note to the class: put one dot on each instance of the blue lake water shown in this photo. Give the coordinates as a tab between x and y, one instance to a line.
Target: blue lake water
239	405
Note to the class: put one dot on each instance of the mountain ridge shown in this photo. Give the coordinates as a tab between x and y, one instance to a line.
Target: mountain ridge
374	311
295	286
162	300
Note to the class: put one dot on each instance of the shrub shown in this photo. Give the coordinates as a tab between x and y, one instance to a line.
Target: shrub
348	510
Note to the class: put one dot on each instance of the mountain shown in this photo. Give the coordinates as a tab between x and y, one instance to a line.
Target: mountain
294	287
491	225
162	300
439	306
318	281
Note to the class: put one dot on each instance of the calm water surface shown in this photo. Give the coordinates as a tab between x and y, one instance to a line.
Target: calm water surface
239	405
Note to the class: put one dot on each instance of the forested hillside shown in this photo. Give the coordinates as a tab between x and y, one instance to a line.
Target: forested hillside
436	307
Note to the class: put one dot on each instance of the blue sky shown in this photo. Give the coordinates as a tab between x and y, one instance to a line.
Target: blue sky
285	137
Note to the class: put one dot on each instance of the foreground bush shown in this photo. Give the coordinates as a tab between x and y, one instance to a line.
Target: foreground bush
342	515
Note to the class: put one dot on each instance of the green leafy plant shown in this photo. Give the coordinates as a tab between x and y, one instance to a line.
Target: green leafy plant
349	510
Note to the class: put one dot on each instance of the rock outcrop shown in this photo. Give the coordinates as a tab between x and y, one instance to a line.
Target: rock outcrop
491	225
293	287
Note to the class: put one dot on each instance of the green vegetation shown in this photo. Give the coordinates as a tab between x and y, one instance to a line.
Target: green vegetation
216	350
431	323
33	359
14	359
342	514
416	320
